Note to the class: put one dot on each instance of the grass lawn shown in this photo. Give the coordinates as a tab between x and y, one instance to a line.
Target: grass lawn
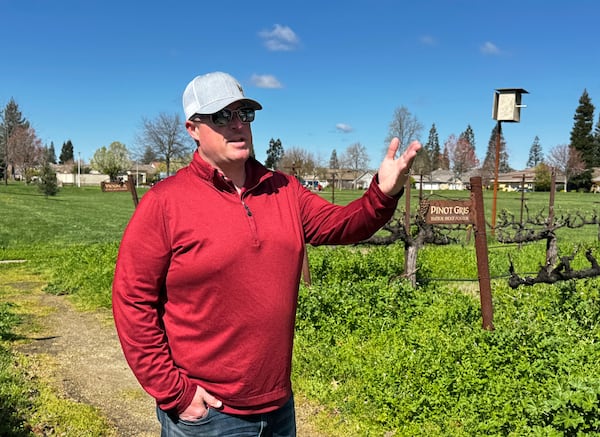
75	215
87	215
70	242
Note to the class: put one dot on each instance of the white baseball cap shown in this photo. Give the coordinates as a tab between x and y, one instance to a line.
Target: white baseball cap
212	92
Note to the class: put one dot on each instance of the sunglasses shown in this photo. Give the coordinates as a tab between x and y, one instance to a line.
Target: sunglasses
224	116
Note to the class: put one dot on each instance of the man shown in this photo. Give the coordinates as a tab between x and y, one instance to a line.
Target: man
206	281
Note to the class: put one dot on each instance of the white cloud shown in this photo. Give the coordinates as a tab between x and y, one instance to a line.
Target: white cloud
343	127
265	81
281	38
489	48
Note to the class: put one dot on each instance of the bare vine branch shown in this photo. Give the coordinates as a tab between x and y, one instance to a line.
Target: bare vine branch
561	272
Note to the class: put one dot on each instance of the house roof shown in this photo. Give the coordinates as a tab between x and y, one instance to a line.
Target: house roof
516	176
440	176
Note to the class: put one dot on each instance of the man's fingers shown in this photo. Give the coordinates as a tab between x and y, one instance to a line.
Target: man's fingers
212	401
393	148
412	151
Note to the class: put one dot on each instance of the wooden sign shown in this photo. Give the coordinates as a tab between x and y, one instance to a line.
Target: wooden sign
441	212
114	186
128	185
448	212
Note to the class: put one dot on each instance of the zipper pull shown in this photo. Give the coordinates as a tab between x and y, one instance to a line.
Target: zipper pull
247	209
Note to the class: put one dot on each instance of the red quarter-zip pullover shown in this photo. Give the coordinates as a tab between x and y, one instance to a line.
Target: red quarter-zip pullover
206	281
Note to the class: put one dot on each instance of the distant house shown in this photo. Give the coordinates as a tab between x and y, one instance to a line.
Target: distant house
517	180
595	188
143	174
343	179
510	181
68	174
439	180
363	181
524	180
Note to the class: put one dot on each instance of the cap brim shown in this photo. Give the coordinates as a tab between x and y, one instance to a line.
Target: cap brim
223	103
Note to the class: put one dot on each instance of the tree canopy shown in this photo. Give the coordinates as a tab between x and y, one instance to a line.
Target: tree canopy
433	149
469	136
489	162
112	161
333	160
11	118
66	153
25	151
582	138
536	156
274	154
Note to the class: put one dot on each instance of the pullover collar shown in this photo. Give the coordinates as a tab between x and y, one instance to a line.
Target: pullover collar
255	173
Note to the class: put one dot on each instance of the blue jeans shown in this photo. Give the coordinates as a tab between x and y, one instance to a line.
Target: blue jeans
278	423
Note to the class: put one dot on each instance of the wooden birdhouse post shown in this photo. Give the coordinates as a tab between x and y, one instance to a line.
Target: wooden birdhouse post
507	107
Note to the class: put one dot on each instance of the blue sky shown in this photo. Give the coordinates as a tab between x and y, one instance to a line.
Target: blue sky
329	74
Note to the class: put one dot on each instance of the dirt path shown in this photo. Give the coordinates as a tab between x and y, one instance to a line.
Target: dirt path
92	369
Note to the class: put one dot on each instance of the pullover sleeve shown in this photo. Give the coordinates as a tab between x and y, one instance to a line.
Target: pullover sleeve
137	293
327	223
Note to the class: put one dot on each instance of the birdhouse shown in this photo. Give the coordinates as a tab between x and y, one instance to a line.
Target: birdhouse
507	104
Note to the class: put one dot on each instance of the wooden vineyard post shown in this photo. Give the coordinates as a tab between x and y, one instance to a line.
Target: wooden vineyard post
448	212
409	251
134	194
481	251
551	244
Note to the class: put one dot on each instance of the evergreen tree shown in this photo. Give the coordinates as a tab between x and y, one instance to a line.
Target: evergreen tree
489	162
597	138
581	134
422	164
535	154
469	136
445	159
51	154
66	153
333	160
48	183
582	140
11	118
433	149
274	154
504	165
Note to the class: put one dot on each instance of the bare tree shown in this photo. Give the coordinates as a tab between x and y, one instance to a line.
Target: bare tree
568	160
25	150
355	158
298	161
405	126
166	137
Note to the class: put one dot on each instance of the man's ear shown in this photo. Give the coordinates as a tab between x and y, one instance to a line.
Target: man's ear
192	129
